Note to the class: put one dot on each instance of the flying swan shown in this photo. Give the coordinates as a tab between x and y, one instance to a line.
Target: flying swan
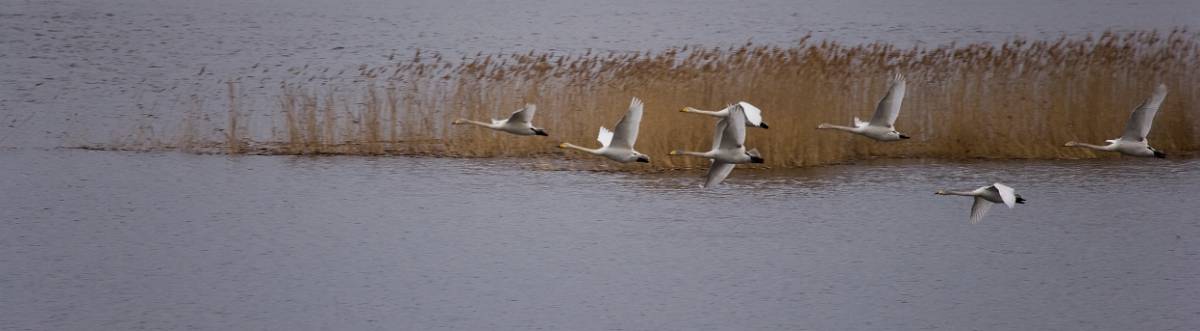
728	147
618	146
519	123
985	197
1133	142
881	125
753	114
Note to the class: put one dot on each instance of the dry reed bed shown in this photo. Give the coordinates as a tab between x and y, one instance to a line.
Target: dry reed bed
1019	99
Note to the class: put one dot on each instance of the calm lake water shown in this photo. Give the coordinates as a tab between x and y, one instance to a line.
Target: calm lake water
111	240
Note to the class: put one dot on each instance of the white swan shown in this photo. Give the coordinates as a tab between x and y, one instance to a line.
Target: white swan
519	123
618	146
1133	142
728	147
985	197
753	114
881	125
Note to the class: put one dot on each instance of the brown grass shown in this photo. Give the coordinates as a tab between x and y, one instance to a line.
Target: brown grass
1019	99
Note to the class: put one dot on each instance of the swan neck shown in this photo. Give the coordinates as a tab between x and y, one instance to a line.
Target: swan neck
581	148
1108	147
704	112
697	154
467	121
837	127
962	193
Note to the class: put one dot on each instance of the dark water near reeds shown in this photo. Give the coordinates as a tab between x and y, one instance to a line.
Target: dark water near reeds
112	240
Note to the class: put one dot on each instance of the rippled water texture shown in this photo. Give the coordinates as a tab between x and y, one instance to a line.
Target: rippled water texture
108	240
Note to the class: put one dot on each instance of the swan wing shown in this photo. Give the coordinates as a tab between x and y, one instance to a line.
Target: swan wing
1007	194
627	128
605	137
1138	126
979	208
753	114
719	134
734	135
717	173
523	115
889	107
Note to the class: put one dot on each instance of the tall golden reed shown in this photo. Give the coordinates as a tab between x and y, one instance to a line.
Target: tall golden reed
1018	99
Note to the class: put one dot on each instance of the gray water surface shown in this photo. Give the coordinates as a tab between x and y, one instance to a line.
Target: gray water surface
108	240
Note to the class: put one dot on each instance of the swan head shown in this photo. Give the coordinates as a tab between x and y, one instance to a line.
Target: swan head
902	136
755	157
458	121
686	109
562	145
1071	144
675	152
539	132
763	125
1158	153
940	192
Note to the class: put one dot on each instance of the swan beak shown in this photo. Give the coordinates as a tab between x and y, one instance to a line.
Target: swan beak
902	136
643	159
763	125
1160	154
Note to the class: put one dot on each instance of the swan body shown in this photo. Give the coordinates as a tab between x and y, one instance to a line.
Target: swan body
881	126
519	123
986	196
728	147
1133	141
618	145
753	114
